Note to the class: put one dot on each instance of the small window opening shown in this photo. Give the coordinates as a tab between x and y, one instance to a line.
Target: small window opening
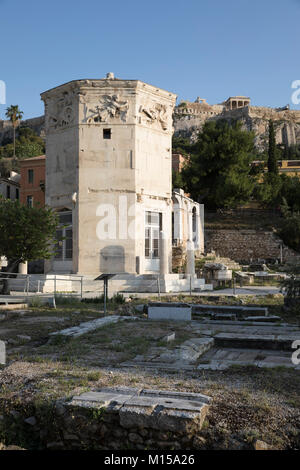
30	176
106	133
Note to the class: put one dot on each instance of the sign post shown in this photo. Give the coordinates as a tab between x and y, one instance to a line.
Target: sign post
105	278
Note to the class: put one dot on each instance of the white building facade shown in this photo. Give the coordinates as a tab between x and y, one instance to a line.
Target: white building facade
187	221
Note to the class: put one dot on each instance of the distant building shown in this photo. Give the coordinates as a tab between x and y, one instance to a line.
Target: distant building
32	183
178	161
187	221
9	186
286	167
235	102
289	167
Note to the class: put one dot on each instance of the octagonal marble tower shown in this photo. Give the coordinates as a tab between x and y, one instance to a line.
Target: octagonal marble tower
108	174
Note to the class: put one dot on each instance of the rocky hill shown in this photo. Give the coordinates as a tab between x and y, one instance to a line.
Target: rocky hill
189	119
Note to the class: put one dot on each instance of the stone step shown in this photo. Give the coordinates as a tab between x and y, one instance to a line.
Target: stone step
239	311
224	316
224	364
264	319
239	340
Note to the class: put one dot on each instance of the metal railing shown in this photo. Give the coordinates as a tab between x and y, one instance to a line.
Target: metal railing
32	285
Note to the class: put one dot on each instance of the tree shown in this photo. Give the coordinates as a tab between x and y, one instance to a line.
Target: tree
219	169
177	180
26	233
28	144
182	145
269	192
14	114
290	232
290	192
272	157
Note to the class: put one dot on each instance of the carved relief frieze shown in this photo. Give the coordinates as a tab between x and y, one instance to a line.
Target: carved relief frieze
110	107
60	112
155	113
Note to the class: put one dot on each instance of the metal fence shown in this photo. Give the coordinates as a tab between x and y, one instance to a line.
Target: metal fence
31	283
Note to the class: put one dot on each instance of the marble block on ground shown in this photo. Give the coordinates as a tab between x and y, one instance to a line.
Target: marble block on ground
169	311
156	409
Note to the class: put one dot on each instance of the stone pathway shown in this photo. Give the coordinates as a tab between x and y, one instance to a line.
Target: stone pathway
92	325
220	359
183	355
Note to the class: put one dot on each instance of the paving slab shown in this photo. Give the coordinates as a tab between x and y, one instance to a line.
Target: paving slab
185	354
86	327
179	395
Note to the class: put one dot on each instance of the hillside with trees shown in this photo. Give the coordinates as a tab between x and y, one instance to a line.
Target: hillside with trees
220	175
27	144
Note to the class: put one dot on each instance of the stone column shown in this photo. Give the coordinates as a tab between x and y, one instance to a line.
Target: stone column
22	268
198	229
190	258
163	253
190	221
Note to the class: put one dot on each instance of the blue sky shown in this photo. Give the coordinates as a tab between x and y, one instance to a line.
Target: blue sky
211	49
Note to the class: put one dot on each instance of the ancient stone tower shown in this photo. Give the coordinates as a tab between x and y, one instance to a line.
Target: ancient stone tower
108	174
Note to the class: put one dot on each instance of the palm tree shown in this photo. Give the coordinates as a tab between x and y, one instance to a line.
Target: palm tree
14	114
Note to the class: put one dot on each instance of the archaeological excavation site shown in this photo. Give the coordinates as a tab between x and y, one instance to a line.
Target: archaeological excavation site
149	232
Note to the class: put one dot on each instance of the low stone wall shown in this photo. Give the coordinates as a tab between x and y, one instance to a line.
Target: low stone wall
247	245
111	419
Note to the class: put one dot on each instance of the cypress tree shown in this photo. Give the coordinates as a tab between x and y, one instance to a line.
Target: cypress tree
272	159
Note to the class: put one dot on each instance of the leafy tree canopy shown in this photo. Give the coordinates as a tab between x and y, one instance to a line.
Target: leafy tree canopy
14	114
290	232
269	192
26	233
290	192
276	190
177	180
219	169
182	145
